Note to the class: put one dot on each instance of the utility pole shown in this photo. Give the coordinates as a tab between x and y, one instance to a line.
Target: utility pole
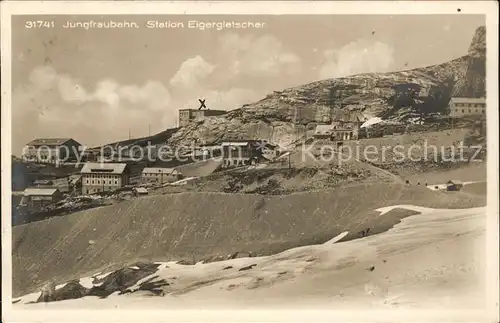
149	130
129	130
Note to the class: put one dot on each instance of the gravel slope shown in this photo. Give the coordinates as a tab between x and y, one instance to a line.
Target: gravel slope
197	226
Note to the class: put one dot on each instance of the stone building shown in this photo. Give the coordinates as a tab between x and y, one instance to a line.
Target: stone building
160	175
459	107
345	131
189	115
104	177
337	131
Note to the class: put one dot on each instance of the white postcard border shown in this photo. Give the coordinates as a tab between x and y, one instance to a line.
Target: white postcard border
489	8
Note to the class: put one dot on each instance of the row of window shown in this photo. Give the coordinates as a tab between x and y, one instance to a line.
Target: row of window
98	182
470	111
102	176
470	105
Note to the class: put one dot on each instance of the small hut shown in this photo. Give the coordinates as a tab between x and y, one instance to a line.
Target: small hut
140	191
454	185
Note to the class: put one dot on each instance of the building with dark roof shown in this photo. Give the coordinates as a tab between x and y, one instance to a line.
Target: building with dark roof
160	175
52	150
454	185
245	152
37	198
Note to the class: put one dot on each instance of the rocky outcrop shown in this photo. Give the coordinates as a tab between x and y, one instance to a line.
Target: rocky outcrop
475	77
121	281
289	115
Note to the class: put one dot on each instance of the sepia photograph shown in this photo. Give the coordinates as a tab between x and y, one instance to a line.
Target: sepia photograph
333	156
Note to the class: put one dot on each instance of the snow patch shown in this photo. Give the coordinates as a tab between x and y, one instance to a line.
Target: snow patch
101	276
421	209
371	121
87	282
337	238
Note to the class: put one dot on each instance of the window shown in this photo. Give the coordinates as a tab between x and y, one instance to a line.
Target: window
463	110
116	182
92	182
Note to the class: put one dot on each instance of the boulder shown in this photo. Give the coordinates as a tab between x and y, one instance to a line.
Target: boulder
71	290
121	280
47	292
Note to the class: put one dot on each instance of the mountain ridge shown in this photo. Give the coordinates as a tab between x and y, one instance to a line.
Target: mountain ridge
287	115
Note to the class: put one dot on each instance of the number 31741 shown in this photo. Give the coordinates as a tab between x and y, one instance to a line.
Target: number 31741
39	24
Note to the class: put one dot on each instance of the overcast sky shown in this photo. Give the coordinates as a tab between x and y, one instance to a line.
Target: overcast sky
94	85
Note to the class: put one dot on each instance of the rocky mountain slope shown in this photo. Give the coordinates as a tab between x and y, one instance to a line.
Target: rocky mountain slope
287	115
475	77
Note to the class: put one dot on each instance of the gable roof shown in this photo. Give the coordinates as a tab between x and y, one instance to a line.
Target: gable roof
455	182
40	191
160	170
468	100
49	141
323	129
111	168
43	182
236	143
141	190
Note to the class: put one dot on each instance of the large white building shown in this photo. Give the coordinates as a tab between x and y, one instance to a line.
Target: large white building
460	107
103	177
160	175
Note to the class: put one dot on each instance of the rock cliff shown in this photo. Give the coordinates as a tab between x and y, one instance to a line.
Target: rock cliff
475	77
288	115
